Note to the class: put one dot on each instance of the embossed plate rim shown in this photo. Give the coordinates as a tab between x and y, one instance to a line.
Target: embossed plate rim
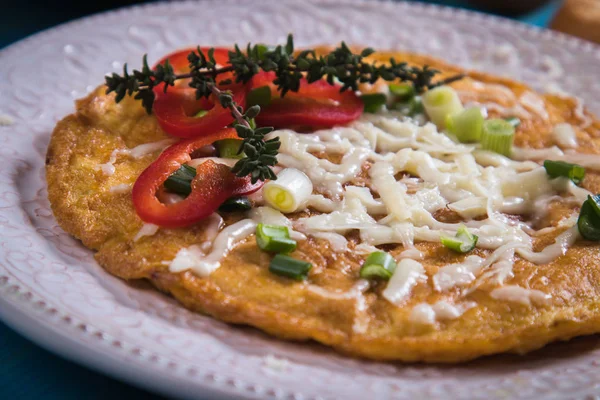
45	323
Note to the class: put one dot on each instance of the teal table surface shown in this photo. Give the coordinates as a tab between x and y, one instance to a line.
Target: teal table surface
28	371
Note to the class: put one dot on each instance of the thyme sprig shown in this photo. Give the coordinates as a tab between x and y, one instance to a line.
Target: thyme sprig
341	64
261	154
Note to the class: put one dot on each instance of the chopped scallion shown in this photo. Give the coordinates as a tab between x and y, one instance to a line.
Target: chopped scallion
410	107
595	202
378	265
463	242
373	101
291	189
180	181
514	121
441	102
466	125
415	106
588	222
260	96
497	136
274	238
200	114
236	204
402	91
229	148
556	169
289	267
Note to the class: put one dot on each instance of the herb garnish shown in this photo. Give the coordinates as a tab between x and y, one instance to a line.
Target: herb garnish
341	64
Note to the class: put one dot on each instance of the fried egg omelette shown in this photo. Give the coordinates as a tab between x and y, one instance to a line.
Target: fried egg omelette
443	306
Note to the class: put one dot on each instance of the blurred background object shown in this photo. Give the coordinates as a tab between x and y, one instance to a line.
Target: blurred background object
579	18
509	7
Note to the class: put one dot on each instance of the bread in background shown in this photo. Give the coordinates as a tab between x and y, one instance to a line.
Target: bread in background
579	18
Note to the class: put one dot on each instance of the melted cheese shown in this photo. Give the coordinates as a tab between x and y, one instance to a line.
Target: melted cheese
415	172
558	248
565	136
121	188
397	209
517	294
406	276
137	152
338	242
427	314
460	274
359	287
579	110
193	258
534	103
146	230
591	161
214	223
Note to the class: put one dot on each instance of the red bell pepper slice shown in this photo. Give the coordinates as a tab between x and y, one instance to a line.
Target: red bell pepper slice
176	109
214	183
315	105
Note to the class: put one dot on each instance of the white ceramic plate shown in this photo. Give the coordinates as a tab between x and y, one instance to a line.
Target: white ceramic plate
52	291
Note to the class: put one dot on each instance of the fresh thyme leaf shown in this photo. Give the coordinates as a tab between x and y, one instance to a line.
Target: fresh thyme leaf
341	65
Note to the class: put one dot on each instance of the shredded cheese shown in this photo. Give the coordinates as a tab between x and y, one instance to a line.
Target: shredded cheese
406	276
120	188
565	136
517	294
193	258
137	152
415	172
146	230
427	314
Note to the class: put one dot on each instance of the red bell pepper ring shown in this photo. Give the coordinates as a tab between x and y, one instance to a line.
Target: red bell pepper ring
176	109
315	105
214	183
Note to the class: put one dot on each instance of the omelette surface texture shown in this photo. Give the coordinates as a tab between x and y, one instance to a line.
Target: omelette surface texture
243	291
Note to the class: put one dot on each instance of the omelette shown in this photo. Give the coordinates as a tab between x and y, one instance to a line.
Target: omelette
383	182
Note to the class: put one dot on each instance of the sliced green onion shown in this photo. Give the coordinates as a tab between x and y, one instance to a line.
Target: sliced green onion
441	102
463	242
274	238
233	204
588	222
260	96
373	101
415	106
289	267
229	148
410	107
595	202
402	91
291	189
497	136
556	169
180	181
466	125
378	265
514	121
200	114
